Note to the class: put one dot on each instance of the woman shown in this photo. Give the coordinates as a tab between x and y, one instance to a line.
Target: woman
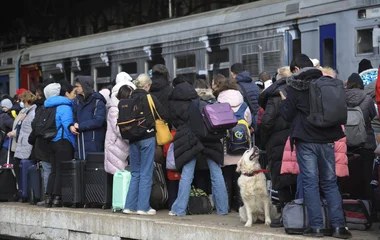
227	91
161	88
116	149
356	96
142	153
62	146
24	149
186	148
274	131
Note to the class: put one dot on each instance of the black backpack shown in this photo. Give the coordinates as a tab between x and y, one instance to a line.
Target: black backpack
197	124
327	98
132	118
44	124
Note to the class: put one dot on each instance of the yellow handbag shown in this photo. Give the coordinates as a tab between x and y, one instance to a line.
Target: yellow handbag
163	134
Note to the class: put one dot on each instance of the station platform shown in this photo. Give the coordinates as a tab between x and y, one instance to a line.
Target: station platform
32	222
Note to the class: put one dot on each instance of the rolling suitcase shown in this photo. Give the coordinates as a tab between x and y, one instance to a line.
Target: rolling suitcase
97	182
25	164
121	181
72	180
35	184
8	183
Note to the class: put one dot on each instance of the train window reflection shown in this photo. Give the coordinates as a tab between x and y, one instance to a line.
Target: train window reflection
251	63
364	41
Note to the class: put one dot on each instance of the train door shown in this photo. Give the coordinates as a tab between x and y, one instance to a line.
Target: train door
327	43
4	84
30	77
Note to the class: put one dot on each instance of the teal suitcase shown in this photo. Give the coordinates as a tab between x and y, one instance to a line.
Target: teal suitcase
121	181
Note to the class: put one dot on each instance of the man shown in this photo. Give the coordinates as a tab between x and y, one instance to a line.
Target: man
249	89
265	78
89	115
315	151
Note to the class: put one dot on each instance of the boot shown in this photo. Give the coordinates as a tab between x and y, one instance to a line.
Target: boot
57	202
48	201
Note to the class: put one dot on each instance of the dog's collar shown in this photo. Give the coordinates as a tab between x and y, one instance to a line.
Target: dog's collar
256	172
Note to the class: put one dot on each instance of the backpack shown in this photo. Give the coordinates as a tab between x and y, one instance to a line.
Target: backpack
198	125
327	99
44	123
355	127
132	119
238	137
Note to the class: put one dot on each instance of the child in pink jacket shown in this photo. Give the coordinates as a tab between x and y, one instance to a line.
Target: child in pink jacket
290	165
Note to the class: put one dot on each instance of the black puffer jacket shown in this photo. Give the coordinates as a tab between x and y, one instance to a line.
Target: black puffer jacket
161	89
274	131
186	144
357	97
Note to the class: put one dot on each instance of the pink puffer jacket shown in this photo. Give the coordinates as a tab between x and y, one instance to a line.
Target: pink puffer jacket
290	165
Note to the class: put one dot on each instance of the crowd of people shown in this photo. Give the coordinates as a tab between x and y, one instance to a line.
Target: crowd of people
304	161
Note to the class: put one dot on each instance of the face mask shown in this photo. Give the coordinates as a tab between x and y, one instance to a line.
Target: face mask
22	105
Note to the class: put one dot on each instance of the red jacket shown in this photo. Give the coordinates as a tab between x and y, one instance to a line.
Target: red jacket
378	91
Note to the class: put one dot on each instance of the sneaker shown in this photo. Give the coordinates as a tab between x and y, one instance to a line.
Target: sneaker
172	214
149	212
128	211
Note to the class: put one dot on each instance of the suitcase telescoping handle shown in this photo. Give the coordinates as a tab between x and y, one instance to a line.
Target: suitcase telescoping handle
81	151
9	153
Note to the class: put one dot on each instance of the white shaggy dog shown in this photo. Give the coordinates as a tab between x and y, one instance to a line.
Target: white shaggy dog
253	190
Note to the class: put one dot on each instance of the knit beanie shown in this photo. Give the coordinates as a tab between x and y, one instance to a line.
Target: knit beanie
6	103
51	90
355	79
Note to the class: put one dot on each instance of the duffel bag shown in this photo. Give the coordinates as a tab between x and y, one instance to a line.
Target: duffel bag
357	213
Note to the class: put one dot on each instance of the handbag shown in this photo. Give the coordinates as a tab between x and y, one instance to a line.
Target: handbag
163	134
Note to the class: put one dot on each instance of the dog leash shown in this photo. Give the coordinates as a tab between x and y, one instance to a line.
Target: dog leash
256	172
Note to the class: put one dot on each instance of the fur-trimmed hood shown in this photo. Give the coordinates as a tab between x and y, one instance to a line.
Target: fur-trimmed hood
301	80
205	94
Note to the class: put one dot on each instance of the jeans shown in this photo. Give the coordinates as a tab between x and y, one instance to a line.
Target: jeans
299	192
219	191
317	167
46	166
141	165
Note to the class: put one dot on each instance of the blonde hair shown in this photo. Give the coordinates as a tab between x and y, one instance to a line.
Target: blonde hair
283	72
142	81
28	97
328	71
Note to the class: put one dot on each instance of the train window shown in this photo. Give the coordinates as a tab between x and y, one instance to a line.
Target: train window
185	61
1	62
224	72
103	76
328	52
129	68
58	76
188	76
218	56
9	61
272	61
296	47
251	62
364	41
362	14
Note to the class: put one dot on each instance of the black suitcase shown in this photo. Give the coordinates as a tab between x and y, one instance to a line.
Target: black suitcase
8	183
72	180
97	182
35	184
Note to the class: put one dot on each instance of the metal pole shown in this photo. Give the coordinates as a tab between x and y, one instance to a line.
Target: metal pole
170	8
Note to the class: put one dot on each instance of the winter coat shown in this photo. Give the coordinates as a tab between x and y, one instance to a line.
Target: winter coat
274	131
16	125
290	165
23	148
6	122
161	89
63	117
358	97
296	108
141	94
186	145
235	99
116	149
252	91
90	114
370	90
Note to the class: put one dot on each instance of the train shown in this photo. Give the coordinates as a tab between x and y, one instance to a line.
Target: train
263	35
